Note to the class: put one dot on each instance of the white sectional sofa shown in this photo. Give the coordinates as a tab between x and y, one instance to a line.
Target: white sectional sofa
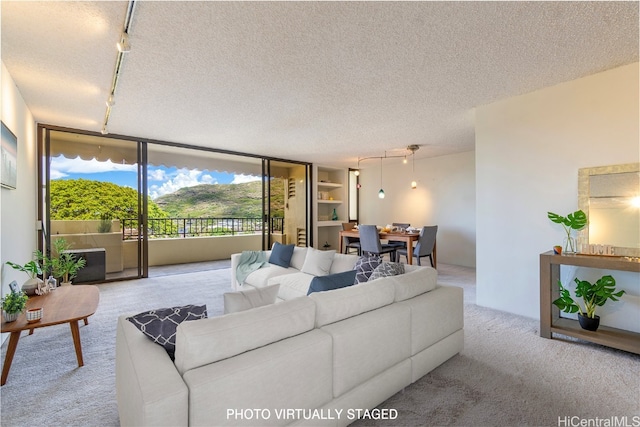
292	280
320	359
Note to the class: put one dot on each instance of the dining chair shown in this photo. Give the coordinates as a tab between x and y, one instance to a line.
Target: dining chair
350	242
425	245
404	226
370	242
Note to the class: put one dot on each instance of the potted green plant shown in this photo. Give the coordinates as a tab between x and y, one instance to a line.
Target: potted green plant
33	269
65	265
593	295
13	304
574	221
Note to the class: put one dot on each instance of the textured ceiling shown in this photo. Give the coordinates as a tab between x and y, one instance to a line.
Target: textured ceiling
325	82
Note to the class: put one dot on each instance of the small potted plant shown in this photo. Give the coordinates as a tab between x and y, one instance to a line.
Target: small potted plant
65	265
593	295
13	304
574	221
33	269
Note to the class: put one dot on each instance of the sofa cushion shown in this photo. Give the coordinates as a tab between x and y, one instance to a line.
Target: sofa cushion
281	254
209	340
298	257
250	298
343	262
292	285
365	265
260	277
332	281
160	325
347	302
318	263
387	269
415	282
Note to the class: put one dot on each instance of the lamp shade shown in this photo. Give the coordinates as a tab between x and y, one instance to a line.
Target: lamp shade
381	194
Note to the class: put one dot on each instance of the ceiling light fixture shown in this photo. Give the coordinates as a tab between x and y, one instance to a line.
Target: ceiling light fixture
381	192
413	149
123	47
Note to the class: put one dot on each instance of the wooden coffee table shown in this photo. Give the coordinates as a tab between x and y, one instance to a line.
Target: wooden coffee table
66	304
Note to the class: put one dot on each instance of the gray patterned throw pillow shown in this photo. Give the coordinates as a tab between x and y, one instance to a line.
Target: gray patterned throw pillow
365	265
387	269
160	325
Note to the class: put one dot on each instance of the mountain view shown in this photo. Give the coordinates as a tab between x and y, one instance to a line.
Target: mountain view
222	200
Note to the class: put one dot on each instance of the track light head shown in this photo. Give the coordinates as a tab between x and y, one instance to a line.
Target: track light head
123	45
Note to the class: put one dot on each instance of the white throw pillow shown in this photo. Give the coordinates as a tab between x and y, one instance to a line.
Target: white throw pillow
318	263
251	298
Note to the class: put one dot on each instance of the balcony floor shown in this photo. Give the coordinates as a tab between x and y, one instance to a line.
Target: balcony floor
168	270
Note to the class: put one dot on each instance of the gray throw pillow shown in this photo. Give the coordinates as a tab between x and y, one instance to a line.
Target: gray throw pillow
365	265
387	269
160	325
251	298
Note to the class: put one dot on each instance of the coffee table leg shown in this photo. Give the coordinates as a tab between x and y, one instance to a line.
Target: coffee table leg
75	333
8	358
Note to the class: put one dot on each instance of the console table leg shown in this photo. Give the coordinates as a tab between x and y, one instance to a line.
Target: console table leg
8	358
75	333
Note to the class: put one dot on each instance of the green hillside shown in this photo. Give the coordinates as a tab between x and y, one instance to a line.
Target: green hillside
222	200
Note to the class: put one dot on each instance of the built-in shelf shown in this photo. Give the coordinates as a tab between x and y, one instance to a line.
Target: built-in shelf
329	201
329	184
329	223
550	320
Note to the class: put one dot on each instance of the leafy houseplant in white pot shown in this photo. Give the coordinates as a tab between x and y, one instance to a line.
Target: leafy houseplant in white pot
574	221
13	304
593	295
33	269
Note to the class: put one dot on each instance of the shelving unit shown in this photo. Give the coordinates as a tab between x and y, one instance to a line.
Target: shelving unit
329	194
550	320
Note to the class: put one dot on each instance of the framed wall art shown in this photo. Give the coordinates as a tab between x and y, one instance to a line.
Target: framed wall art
9	153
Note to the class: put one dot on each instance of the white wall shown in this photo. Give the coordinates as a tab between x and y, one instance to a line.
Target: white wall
445	196
18	207
528	152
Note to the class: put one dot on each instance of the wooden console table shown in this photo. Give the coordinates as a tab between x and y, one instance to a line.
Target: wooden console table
550	320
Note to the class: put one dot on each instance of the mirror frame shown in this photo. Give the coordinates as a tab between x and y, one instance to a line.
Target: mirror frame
584	177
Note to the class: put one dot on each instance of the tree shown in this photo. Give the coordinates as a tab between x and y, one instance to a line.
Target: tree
81	199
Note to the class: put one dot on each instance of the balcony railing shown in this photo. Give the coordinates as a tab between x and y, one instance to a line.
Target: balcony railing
196	227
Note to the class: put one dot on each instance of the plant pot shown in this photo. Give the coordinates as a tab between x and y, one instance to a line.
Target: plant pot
589	323
29	287
10	317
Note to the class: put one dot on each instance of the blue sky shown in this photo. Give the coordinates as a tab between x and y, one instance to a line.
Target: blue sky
161	180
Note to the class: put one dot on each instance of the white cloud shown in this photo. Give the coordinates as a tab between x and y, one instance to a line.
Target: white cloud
239	179
183	178
156	175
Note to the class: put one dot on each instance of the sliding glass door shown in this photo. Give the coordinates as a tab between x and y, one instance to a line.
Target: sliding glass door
129	206
92	203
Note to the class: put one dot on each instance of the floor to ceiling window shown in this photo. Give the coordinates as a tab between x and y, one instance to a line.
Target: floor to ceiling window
142	204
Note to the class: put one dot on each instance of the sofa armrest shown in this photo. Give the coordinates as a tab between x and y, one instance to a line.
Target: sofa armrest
235	258
149	389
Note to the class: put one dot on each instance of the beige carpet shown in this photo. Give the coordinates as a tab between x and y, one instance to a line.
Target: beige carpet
507	375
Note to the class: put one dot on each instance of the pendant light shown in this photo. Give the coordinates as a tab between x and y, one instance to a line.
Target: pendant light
381	192
413	149
414	184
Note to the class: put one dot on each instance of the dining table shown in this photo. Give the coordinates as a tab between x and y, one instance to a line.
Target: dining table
397	236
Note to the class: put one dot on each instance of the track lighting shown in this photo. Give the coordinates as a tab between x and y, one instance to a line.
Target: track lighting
110	101
123	45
